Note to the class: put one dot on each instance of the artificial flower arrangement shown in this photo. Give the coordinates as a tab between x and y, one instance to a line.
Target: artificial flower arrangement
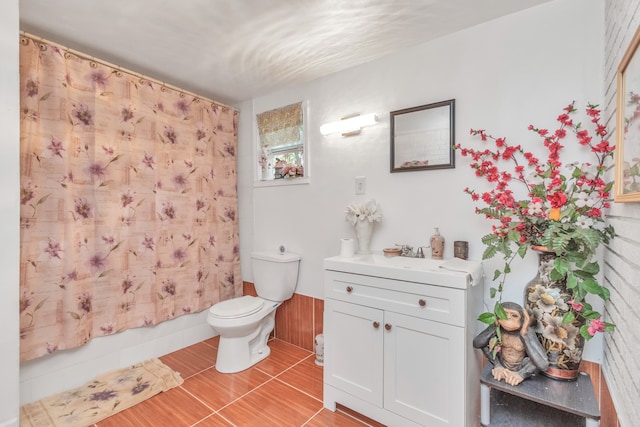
287	170
562	211
369	211
292	171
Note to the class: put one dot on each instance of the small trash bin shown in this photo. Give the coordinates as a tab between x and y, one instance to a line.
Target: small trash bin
319	344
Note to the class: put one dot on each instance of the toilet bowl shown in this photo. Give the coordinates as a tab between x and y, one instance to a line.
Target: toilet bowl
244	327
244	323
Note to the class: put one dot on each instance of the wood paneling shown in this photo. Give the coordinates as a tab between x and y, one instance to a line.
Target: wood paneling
294	321
298	320
608	415
318	313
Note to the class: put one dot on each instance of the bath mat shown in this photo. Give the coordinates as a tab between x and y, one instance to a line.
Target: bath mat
106	395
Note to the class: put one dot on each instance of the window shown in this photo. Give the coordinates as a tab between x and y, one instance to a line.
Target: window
281	145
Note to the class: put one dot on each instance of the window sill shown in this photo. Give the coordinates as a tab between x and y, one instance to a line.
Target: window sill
281	182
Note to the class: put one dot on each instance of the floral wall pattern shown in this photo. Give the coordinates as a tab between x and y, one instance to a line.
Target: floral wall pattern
128	201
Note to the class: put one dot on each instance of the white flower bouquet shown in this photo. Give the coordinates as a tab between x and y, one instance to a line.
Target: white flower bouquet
369	211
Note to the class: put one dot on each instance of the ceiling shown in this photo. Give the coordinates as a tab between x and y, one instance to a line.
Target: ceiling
234	50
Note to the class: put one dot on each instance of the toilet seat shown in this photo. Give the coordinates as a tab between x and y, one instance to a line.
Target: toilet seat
237	307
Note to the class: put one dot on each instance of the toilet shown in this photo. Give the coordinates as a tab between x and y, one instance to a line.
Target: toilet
244	323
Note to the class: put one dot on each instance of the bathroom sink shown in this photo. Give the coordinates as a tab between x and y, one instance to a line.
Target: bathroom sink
418	270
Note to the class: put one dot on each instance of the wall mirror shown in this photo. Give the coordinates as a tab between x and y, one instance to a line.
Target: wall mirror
422	137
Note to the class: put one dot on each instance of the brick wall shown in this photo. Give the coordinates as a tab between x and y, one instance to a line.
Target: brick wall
621	365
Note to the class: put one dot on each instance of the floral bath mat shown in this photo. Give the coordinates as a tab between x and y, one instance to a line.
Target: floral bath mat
106	395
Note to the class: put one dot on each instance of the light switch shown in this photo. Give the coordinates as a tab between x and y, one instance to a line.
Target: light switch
360	185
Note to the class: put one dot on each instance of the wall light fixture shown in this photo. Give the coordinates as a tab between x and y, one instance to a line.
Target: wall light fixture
350	125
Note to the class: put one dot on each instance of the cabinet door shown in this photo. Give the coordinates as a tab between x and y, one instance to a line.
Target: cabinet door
353	349
424	370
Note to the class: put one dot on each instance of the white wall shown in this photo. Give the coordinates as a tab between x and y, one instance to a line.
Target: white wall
9	212
622	267
504	75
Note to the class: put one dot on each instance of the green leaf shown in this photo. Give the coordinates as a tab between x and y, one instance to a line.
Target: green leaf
496	274
592	267
561	265
555	275
499	311
591	286
568	317
584	331
507	269
489	252
572	282
488	318
522	250
492	292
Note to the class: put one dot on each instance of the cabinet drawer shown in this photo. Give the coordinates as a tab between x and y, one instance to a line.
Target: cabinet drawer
431	302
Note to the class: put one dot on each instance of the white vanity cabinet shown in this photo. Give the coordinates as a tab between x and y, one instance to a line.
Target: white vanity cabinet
399	351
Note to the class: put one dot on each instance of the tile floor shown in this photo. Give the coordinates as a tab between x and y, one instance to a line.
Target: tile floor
285	389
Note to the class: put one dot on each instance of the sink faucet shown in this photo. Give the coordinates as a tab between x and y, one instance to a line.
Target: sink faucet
407	251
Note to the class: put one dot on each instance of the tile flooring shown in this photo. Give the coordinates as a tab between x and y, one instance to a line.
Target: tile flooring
285	389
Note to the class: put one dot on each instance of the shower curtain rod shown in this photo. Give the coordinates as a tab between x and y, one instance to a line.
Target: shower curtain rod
119	68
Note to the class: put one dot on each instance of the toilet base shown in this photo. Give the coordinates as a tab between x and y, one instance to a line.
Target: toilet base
238	354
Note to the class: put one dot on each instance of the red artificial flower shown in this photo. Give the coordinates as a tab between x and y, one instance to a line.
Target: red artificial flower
565	119
557	199
576	306
597	325
561	133
594	213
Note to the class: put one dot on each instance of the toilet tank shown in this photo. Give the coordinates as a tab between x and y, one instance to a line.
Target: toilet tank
275	275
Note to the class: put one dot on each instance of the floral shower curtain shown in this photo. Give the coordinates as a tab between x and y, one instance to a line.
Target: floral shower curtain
128	200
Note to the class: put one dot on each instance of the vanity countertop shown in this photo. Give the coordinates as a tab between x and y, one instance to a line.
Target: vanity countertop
453	273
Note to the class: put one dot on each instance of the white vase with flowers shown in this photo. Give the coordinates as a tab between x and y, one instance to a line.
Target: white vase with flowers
362	216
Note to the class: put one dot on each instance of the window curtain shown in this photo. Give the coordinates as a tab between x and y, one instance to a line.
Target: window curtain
128	200
281	126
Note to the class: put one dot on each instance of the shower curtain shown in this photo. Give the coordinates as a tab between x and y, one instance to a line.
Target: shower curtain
128	200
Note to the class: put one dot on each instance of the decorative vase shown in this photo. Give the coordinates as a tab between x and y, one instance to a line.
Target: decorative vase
265	174
547	302
364	230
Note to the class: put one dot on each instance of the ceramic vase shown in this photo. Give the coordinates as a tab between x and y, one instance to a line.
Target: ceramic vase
547	302
364	230
265	174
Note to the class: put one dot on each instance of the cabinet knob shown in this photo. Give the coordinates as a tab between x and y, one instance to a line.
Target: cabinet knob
376	325
349	289
387	326
422	303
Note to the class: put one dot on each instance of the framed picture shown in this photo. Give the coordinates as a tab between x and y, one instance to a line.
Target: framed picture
422	137
627	170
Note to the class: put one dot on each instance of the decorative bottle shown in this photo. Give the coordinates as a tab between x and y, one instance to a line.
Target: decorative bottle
437	245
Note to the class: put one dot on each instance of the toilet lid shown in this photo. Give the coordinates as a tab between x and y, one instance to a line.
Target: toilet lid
237	307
